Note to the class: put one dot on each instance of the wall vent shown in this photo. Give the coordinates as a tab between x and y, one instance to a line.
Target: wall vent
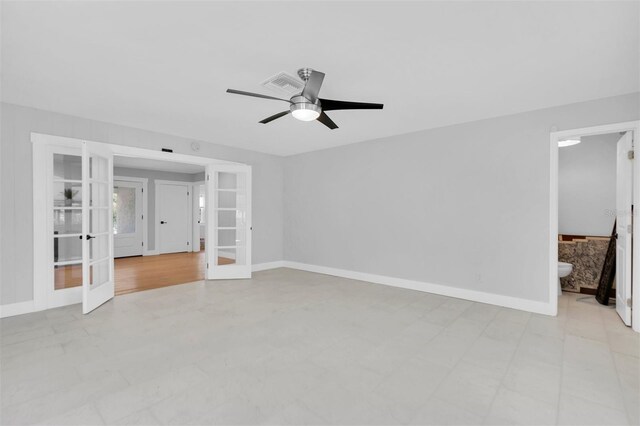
284	83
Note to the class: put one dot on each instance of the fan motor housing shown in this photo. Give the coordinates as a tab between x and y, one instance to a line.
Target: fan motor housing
300	102
303	109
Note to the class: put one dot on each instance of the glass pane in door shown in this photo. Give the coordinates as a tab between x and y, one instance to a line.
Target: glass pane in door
231	204
67	167
98	194
67	194
227	180
226	218
99	247
67	249
99	273
67	276
98	169
99	221
67	220
124	210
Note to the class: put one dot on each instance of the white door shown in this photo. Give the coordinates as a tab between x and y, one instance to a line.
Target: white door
173	217
624	223
228	221
127	218
97	244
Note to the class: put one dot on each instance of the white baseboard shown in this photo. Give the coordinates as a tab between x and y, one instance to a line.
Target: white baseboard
19	308
150	253
460	293
256	267
444	290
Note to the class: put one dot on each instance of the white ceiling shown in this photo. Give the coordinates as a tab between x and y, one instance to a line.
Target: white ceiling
149	164
165	66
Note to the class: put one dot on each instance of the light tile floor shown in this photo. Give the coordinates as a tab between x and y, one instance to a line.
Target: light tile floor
291	347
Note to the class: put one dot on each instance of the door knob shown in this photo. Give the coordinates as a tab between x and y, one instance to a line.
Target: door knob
162	222
89	237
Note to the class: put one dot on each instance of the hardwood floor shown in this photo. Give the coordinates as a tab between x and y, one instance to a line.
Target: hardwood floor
143	273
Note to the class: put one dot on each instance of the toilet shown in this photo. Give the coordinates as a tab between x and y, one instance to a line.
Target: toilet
564	269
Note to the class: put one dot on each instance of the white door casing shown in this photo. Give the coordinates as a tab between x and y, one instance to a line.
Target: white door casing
228	224
128	223
173	217
98	284
624	225
198	188
44	147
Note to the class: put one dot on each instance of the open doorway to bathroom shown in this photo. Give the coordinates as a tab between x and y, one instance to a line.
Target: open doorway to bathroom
592	220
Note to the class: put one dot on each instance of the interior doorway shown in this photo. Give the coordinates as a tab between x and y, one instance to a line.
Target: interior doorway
594	221
75	257
166	189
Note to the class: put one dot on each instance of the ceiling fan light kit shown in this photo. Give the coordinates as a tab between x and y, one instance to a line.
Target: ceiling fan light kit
307	106
304	110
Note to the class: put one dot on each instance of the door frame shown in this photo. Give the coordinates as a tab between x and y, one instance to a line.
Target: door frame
195	206
145	215
554	137
41	143
156	228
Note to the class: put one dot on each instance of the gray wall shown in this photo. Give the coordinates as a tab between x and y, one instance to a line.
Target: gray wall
16	183
587	186
465	205
152	176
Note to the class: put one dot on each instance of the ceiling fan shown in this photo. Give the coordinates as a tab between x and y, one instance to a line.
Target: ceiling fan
307	106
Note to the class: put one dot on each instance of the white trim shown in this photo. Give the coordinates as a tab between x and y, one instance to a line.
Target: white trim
444	290
130	151
173	182
597	130
553	225
460	293
195	210
145	208
131	179
40	228
43	279
13	309
554	137
267	265
156	226
28	307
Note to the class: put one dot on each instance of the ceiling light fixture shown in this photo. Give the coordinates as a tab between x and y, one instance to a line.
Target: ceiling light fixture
307	106
304	110
568	142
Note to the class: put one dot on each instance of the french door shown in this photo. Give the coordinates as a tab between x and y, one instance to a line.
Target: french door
624	225
228	221
97	226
